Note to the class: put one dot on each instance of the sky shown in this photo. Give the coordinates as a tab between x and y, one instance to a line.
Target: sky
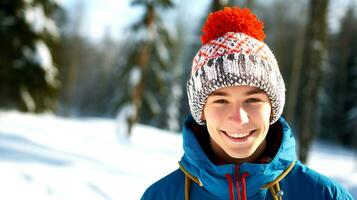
46	157
102	16
114	16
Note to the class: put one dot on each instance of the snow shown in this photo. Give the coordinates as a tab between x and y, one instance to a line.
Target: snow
38	20
44	58
173	108
135	76
27	99
123	115
50	157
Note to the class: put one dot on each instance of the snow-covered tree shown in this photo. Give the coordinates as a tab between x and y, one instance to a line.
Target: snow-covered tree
28	75
145	76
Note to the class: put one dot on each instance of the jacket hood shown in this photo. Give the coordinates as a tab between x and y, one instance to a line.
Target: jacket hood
213	177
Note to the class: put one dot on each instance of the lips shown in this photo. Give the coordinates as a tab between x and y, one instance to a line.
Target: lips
238	135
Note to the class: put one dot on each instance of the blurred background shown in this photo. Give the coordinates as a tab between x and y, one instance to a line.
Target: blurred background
129	61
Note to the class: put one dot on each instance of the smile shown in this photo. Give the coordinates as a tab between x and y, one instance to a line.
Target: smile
238	135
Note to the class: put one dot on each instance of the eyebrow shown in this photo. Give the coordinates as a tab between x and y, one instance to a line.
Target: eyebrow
215	93
250	92
255	91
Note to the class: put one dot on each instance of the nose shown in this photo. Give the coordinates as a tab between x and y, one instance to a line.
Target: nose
239	116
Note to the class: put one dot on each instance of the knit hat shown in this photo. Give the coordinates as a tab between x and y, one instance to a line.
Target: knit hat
234	54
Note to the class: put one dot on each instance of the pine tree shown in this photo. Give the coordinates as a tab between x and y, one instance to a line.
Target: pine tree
347	85
28	76
339	116
144	77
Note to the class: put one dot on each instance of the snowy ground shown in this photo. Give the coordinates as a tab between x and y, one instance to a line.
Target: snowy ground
49	157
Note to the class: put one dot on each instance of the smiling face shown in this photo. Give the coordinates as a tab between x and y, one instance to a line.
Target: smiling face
237	120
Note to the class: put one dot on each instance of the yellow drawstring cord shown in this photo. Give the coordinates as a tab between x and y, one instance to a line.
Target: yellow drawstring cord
273	193
198	181
276	192
187	187
274	186
188	178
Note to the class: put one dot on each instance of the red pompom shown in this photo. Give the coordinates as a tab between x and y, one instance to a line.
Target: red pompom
232	20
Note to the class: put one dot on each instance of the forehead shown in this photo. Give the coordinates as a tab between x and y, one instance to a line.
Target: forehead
237	90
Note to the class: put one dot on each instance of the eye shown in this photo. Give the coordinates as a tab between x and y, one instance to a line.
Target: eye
253	100
220	101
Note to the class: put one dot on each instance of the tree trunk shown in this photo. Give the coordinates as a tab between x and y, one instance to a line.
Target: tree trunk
143	60
313	61
295	75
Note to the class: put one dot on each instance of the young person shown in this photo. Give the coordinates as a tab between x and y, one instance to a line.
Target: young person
236	144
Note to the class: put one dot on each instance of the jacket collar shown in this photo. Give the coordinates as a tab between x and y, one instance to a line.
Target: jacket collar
213	177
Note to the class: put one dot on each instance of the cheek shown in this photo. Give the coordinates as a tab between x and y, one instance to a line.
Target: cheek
212	114
267	112
263	113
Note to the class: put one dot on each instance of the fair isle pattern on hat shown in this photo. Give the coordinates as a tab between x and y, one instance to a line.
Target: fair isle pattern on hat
235	59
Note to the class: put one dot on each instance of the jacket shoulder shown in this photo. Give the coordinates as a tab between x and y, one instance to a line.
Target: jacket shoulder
168	187
313	184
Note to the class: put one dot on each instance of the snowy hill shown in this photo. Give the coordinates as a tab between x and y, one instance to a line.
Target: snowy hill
49	157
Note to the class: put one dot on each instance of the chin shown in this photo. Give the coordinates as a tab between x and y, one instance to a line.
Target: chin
241	155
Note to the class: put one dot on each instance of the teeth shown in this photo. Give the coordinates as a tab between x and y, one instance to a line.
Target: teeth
238	135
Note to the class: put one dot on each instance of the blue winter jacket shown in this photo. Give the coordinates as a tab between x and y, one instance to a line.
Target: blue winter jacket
280	178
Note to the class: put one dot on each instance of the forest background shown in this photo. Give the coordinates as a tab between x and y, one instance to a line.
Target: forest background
57	56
